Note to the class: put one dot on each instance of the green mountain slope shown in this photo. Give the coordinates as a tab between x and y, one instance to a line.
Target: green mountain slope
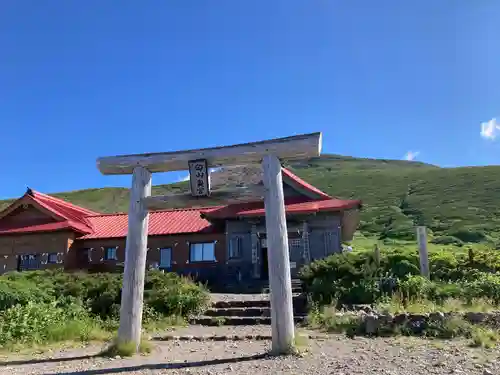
397	195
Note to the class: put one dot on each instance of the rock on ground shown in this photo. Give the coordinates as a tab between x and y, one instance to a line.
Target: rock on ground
333	355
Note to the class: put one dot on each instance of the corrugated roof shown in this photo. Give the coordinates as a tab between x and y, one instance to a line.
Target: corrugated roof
303	184
165	222
61	207
292	206
49	227
69	216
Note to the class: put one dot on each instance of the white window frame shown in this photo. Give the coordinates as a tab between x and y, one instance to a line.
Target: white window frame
160	264
193	246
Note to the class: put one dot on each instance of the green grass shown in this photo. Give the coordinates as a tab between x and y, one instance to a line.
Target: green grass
396	195
126	349
396	305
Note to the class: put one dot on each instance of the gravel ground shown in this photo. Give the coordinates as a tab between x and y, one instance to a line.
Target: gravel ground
333	355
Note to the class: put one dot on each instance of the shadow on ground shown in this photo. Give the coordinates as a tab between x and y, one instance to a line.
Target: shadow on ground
45	360
149	366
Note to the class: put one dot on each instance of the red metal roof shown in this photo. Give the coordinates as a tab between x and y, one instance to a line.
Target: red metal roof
60	207
176	221
292	206
288	174
69	216
49	227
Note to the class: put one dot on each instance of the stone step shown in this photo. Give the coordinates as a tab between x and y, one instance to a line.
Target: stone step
249	311
241	304
295	290
240	311
299	300
255	287
237	320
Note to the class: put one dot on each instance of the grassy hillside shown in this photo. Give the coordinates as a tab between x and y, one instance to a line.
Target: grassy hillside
463	203
460	202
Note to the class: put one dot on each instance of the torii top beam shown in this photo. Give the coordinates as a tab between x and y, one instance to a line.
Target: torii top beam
295	147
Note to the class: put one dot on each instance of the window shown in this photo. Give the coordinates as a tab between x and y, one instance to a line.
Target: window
235	247
202	252
52	258
88	254
331	242
110	254
29	262
165	257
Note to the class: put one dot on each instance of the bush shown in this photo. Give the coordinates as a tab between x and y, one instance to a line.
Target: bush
447	240
416	286
468	235
165	293
485	286
170	294
42	322
355	278
42	306
20	293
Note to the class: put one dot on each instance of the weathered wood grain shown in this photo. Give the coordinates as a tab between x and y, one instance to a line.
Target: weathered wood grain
278	257
422	251
219	197
295	147
135	259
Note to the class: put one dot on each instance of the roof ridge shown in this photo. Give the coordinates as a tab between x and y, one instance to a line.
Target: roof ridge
304	184
60	201
158	211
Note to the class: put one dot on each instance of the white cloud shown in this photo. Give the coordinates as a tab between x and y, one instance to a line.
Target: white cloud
490	129
411	155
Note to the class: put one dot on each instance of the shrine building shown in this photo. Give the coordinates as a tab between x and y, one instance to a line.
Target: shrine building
219	244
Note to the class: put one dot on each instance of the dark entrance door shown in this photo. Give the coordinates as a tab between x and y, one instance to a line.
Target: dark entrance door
264	268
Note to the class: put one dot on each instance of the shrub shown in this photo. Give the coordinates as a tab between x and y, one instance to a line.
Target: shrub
21	292
165	293
468	235
180	297
41	322
43	306
447	240
416	286
355	278
485	286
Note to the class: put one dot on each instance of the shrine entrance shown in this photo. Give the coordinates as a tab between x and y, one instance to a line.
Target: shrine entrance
264	264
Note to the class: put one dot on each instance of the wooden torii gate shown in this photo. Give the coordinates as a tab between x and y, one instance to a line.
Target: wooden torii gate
141	167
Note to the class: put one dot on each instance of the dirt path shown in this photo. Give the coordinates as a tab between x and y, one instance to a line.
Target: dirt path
334	355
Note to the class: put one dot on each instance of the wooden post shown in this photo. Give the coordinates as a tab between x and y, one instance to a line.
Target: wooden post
135	259
376	253
280	282
422	251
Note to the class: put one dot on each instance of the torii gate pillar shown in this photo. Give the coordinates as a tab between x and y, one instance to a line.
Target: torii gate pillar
283	332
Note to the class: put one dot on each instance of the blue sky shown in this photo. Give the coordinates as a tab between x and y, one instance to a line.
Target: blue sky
83	79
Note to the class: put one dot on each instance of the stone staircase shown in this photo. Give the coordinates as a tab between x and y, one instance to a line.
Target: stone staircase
250	309
255	287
